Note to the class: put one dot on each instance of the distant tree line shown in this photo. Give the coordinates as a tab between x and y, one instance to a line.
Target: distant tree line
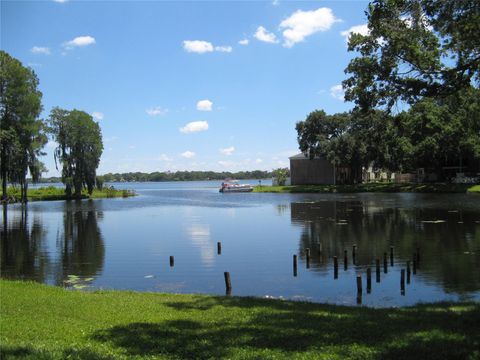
415	85
23	135
177	176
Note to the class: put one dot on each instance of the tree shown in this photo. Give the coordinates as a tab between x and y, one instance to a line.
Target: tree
281	174
79	148
22	135
415	49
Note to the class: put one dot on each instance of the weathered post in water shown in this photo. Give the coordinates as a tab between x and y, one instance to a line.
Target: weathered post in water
359	284
335	267
414	264
172	261
228	284
307	255
219	248
377	269
402	281
345	260
294	265
391	255
408	272
320	248
385	263
354	254
369	280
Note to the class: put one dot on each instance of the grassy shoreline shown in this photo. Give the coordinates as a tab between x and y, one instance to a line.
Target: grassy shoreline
46	322
51	193
441	188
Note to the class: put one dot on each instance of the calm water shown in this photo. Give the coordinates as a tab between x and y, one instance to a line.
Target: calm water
126	243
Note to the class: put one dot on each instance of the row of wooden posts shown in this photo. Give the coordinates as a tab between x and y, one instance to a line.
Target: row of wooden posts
415	262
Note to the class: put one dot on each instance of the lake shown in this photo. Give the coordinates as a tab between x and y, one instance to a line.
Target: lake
127	243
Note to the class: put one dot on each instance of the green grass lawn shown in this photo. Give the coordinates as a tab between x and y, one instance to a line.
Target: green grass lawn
43	322
372	187
55	193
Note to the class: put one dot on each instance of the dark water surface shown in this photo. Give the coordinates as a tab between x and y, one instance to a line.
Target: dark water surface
126	243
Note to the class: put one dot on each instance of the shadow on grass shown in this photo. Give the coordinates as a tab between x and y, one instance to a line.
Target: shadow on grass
262	329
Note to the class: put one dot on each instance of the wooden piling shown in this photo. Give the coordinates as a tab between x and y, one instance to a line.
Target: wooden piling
219	248
345	260
402	281
294	265
359	284
408	272
320	248
414	270
172	261
228	283
391	255
377	269
385	263
354	254
335	267
369	280
307	255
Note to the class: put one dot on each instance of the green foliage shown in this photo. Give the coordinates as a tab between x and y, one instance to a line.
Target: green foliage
22	135
79	148
281	174
57	324
99	181
414	49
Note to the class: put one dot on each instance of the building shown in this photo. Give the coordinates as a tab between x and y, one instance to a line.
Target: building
305	171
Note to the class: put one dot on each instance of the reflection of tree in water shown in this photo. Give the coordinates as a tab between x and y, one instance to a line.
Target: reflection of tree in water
22	247
81	245
450	251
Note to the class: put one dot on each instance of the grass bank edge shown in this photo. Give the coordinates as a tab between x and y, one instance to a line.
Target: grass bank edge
441	188
41	321
51	193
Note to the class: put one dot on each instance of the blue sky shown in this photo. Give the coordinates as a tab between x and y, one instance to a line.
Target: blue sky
187	85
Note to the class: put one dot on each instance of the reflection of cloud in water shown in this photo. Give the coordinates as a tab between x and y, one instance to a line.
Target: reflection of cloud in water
200	235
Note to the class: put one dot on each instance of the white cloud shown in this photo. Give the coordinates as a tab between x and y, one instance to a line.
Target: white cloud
164	157
40	50
357	29
227	151
79	41
201	47
263	35
337	92
188	154
204	105
97	115
156	111
197	46
244	42
275	2
194	126
258	161
60	1
227	49
305	23
225	163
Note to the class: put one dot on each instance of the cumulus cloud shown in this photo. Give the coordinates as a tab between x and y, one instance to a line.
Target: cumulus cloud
357	29
227	151
194	126
188	154
305	23
337	92
40	50
244	42
79	41
204	105
263	35
97	115
227	49
202	47
156	111
164	157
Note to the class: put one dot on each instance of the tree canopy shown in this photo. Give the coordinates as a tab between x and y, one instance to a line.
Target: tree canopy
414	49
79	148
22	134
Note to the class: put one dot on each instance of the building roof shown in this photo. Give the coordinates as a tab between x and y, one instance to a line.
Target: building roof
298	157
